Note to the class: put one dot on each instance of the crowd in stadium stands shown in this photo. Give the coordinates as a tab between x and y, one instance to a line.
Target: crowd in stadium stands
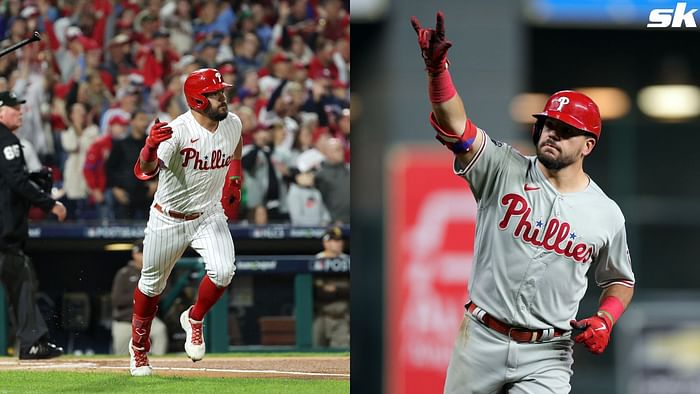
105	69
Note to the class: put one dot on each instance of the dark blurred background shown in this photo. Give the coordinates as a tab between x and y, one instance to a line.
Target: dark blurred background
506	59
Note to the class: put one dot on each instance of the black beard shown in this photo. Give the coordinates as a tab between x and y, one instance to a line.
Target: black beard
553	164
214	114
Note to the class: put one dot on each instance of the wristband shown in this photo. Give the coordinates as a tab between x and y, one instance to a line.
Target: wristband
612	308
234	169
456	143
440	87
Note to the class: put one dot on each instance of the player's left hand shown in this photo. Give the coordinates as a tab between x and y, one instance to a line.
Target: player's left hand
231	198
433	44
235	184
596	334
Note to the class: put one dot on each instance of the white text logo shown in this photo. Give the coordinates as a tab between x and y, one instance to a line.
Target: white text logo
669	17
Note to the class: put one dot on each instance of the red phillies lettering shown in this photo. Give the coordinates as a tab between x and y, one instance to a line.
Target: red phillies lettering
216	160
556	237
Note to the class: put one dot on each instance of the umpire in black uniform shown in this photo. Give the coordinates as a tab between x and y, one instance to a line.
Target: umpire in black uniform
17	193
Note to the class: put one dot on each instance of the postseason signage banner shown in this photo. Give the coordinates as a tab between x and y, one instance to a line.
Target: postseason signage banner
429	237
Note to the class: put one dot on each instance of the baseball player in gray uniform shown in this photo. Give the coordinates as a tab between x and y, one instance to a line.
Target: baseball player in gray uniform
542	223
198	157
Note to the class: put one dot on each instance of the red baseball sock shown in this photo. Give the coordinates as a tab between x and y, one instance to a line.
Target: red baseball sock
144	306
141	332
144	311
207	296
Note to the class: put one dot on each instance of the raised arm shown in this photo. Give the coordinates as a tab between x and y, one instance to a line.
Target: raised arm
449	118
146	166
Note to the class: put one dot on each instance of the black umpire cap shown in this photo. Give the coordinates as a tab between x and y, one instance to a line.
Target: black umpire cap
10	99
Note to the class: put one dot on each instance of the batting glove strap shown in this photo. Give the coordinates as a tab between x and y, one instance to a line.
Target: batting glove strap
456	143
144	176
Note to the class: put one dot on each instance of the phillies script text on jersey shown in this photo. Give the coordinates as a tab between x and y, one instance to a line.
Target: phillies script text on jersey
554	234
218	159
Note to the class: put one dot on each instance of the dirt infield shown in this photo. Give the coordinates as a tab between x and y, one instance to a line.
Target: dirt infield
331	367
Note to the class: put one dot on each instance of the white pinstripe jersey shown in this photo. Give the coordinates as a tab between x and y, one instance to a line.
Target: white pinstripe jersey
194	162
534	245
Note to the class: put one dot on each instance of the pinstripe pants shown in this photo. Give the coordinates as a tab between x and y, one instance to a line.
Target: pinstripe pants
167	238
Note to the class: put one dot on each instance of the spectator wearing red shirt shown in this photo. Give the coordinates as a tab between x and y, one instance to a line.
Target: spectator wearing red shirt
334	20
157	58
94	168
322	65
146	24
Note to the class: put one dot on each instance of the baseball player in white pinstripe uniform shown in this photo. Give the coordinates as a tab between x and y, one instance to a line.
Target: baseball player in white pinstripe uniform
197	157
542	224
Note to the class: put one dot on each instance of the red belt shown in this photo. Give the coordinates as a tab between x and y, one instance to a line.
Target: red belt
177	215
518	334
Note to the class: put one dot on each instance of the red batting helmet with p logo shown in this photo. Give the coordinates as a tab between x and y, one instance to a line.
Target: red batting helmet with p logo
573	108
199	82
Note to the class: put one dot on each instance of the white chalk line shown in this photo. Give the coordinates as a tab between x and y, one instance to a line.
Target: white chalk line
85	365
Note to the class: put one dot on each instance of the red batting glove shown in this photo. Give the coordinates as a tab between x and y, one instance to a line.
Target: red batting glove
596	334
432	43
160	131
231	195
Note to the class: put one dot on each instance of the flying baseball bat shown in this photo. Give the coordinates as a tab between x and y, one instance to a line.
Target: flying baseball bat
35	37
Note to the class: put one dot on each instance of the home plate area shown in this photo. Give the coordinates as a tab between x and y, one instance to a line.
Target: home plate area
337	368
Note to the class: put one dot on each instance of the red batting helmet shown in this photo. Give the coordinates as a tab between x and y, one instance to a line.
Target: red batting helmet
573	108
199	82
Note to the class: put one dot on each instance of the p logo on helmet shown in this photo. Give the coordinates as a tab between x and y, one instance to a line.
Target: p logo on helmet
562	102
200	82
573	108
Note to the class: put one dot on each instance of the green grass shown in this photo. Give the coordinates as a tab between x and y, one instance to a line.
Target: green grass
100	382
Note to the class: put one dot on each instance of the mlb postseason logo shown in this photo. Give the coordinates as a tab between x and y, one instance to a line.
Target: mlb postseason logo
672	17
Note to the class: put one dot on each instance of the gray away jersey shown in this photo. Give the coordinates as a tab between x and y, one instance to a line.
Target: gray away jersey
194	162
534	245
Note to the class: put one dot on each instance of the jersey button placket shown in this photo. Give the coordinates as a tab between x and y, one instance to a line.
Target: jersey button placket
557	204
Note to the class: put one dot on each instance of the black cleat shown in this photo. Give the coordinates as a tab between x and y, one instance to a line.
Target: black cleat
40	350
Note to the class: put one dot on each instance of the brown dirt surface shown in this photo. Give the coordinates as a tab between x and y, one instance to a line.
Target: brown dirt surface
311	367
